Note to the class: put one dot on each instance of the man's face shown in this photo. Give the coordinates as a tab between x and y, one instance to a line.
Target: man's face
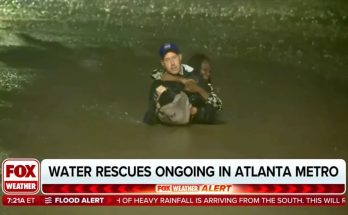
172	63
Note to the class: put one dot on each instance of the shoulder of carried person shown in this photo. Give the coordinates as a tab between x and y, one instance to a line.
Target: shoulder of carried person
187	68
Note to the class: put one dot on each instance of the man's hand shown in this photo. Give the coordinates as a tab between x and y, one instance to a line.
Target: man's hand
160	89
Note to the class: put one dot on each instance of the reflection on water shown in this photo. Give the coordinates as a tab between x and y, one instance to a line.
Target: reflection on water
74	78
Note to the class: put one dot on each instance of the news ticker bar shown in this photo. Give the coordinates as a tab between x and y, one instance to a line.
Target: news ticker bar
174	200
193	189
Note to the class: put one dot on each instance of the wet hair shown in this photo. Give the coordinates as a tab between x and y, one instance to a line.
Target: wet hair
196	62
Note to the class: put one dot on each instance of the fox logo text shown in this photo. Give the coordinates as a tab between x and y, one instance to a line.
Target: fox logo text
20	176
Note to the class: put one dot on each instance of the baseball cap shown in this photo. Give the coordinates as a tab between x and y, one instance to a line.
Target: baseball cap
168	47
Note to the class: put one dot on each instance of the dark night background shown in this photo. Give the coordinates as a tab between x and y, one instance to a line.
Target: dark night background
75	75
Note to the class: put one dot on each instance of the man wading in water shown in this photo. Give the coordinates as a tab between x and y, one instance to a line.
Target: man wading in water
173	91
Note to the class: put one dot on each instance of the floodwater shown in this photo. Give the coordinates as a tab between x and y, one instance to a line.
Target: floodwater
75	75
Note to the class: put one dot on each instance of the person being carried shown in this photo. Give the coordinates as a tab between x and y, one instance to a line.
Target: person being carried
202	74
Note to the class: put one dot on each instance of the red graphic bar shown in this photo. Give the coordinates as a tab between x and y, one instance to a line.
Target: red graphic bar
174	200
99	188
235	189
